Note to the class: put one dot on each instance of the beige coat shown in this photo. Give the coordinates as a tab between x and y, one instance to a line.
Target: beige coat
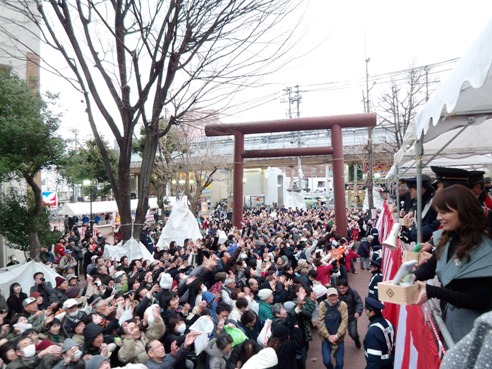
342	329
133	350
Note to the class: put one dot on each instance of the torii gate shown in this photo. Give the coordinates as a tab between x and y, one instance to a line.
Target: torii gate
334	123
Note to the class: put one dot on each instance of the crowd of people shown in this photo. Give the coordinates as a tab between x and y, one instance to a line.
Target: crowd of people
253	299
264	291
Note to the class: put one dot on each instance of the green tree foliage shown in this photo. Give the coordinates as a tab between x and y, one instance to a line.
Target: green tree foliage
86	162
28	143
17	217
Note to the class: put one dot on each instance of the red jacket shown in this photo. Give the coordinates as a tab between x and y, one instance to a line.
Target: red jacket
324	274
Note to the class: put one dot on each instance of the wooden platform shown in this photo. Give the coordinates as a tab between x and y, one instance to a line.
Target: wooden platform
354	358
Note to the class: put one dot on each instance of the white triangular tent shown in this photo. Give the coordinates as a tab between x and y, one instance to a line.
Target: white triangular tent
181	224
132	248
294	200
23	274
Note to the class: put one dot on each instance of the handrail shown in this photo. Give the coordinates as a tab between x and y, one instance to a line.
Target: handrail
436	314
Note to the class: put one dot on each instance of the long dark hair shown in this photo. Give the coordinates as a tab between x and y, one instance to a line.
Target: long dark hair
470	213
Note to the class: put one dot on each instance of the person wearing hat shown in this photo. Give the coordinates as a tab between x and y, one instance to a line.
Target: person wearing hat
94	343
332	327
379	342
98	362
377	276
429	222
35	317
39	299
374	232
121	281
446	177
266	358
287	343
27	357
72	280
477	185
266	299
54	332
487	184
71	356
42	286
67	262
58	294
73	315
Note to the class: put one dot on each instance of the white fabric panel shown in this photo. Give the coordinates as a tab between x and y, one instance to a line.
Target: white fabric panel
180	225
23	274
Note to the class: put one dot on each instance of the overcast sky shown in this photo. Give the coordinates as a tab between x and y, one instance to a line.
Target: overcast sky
330	68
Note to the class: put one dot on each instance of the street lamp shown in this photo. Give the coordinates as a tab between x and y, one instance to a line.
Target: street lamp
88	182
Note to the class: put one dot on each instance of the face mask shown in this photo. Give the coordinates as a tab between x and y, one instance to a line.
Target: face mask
181	328
77	355
29	351
73	314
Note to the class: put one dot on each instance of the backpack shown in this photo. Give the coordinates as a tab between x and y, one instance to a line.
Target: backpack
333	318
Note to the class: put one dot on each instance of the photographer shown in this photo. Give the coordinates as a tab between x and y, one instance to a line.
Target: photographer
43	287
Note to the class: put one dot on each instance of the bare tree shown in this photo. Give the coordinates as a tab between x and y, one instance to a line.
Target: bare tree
187	161
132	58
399	105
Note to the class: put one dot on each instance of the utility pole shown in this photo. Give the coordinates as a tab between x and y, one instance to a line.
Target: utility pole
288	91
369	143
291	98
297	98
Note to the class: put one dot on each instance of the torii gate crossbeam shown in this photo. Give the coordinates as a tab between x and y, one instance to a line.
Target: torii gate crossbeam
334	123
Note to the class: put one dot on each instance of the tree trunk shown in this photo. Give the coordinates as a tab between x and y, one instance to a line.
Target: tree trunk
144	178
124	191
34	244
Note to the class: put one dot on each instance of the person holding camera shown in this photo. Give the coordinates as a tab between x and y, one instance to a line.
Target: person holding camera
43	287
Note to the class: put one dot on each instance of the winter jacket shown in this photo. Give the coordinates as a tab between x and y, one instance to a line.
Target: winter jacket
216	358
342	328
57	295
133	350
353	301
265	311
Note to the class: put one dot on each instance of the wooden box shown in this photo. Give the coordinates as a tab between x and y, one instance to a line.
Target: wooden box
410	255
401	295
406	222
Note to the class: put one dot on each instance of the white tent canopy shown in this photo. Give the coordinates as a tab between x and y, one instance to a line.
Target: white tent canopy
463	101
80	208
465	97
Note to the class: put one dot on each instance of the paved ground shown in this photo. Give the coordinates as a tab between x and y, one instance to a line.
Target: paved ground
354	358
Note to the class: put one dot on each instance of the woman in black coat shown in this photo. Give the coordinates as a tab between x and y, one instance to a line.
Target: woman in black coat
15	299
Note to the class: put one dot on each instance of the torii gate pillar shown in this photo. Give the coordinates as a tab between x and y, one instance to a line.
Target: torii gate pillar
334	123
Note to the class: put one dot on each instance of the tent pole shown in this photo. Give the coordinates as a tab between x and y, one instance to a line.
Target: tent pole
419	146
397	189
446	145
